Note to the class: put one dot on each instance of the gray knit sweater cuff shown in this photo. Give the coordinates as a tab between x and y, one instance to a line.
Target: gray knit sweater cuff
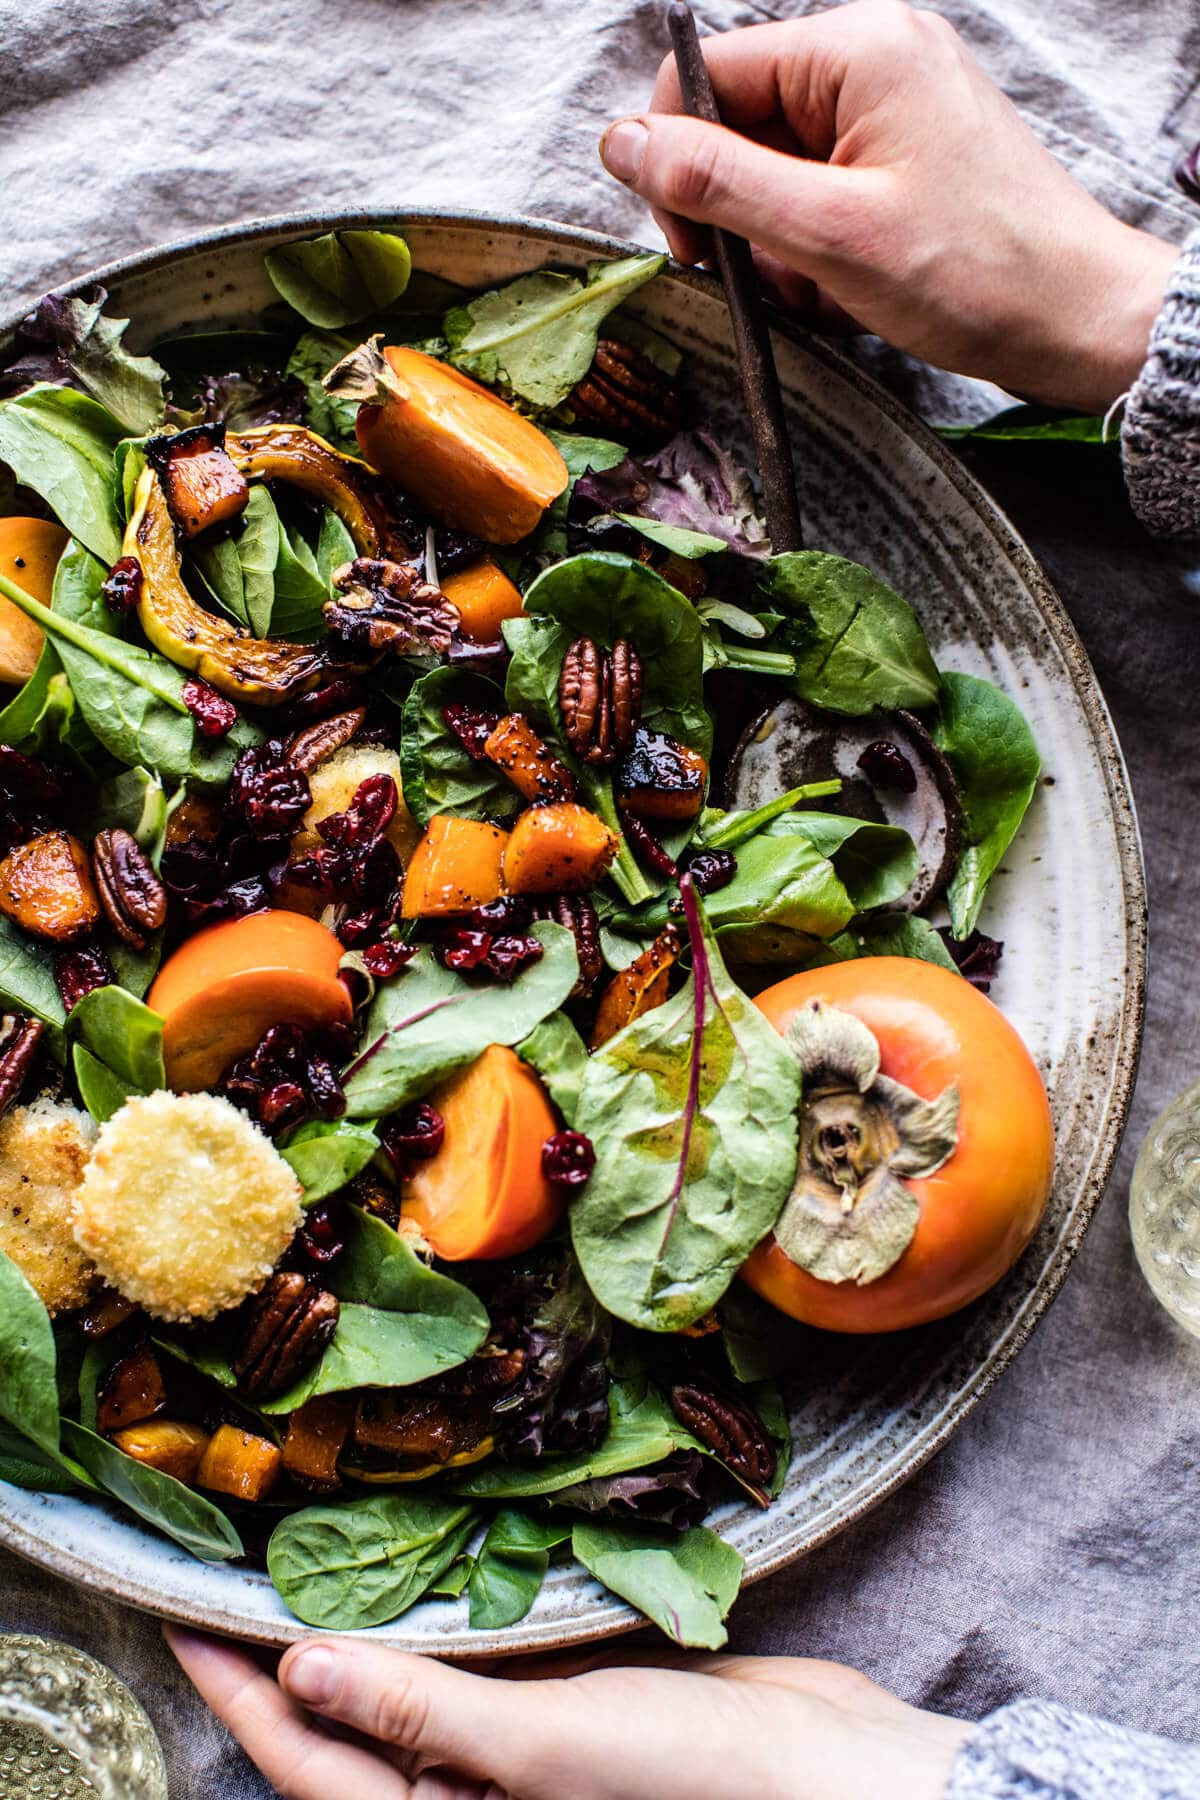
1160	438
1037	1750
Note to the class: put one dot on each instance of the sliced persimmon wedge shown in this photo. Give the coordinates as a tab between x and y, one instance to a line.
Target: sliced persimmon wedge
29	553
484	1193
230	983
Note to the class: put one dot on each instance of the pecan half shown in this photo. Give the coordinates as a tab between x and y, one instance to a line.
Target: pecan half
287	1326
576	914
733	1432
133	898
600	697
387	608
19	1041
316	743
627	395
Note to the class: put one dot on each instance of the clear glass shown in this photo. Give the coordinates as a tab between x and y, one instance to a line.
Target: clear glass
1164	1209
69	1730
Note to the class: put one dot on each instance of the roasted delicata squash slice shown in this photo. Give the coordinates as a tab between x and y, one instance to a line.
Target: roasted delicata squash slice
348	486
264	671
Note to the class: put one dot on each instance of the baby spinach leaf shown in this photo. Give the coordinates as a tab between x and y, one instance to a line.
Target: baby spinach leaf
136	801
692	1110
857	644
510	1565
758	1340
439	776
86	351
26	979
118	1049
726	830
327	1153
429	1021
580	454
61	443
400	1320
642	1430
315	354
240	569
335	546
537	336
685	1582
159	1499
42	718
339	278
559	1055
361	1563
889	934
681	541
1038	424
28	1389
988	744
451	1582
768	1402
300	591
25	1466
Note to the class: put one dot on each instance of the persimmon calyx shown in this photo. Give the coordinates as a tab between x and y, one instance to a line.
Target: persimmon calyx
851	1215
365	375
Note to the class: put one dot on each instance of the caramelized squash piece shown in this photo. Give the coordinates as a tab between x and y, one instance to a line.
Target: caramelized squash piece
46	887
168	1445
660	778
239	1463
202	483
103	1313
29	553
344	484
315	1436
459	450
375	1476
483	597
133	1390
638	989
561	849
528	761
456	866
265	671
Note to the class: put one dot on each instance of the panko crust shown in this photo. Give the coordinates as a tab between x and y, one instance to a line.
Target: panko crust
44	1148
185	1206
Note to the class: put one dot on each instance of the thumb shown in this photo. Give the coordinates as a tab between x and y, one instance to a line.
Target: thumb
810	215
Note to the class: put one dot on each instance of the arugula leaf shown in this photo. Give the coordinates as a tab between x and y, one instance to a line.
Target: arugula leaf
986	740
429	1021
642	1430
685	1582
559	1055
61	444
28	1388
537	336
857	644
118	1049
327	1153
315	354
174	1509
511	1563
341	277
363	1562
438	775
26	980
68	339
692	1110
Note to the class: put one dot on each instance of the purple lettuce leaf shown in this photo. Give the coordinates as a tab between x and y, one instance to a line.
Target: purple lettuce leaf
560	1404
68	341
668	1493
691	482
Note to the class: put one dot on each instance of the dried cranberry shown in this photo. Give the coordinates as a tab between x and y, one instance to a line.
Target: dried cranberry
511	912
490	658
370	812
215	716
471	725
413	1135
322	1237
568	1159
335	696
375	870
509	955
712	869
78	972
463	949
267	791
288	1074
28	786
387	959
122	588
646	847
886	766
281	1103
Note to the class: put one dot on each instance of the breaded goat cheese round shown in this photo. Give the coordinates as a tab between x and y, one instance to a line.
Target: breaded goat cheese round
185	1206
44	1148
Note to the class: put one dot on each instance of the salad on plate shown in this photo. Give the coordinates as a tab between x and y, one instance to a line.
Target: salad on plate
489	951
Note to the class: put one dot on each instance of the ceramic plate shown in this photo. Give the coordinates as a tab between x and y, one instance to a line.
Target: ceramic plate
1069	904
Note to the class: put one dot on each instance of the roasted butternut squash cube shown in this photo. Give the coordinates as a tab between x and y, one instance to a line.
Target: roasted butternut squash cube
132	1390
528	761
203	484
456	866
561	849
46	888
637	989
240	1464
168	1445
315	1436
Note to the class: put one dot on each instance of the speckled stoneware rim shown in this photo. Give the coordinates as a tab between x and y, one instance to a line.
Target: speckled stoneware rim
39	1545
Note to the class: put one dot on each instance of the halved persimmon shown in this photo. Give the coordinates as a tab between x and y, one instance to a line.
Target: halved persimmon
230	983
484	1193
29	553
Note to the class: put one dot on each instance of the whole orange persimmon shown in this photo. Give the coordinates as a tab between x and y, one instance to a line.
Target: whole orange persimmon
926	1147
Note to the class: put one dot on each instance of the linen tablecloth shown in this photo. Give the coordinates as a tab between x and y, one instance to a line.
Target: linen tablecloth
1052	1548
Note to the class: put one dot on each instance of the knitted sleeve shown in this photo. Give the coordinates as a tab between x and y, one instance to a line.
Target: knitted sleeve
1037	1750
1160	436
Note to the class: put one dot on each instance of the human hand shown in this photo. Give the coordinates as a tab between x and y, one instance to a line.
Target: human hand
670	1728
886	182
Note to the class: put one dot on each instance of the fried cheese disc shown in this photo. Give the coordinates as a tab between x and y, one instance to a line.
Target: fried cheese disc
44	1148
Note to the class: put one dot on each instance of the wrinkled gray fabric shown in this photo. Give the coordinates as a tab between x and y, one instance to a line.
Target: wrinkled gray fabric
1052	1548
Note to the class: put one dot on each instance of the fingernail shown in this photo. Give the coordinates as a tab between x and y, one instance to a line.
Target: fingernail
312	1676
623	149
